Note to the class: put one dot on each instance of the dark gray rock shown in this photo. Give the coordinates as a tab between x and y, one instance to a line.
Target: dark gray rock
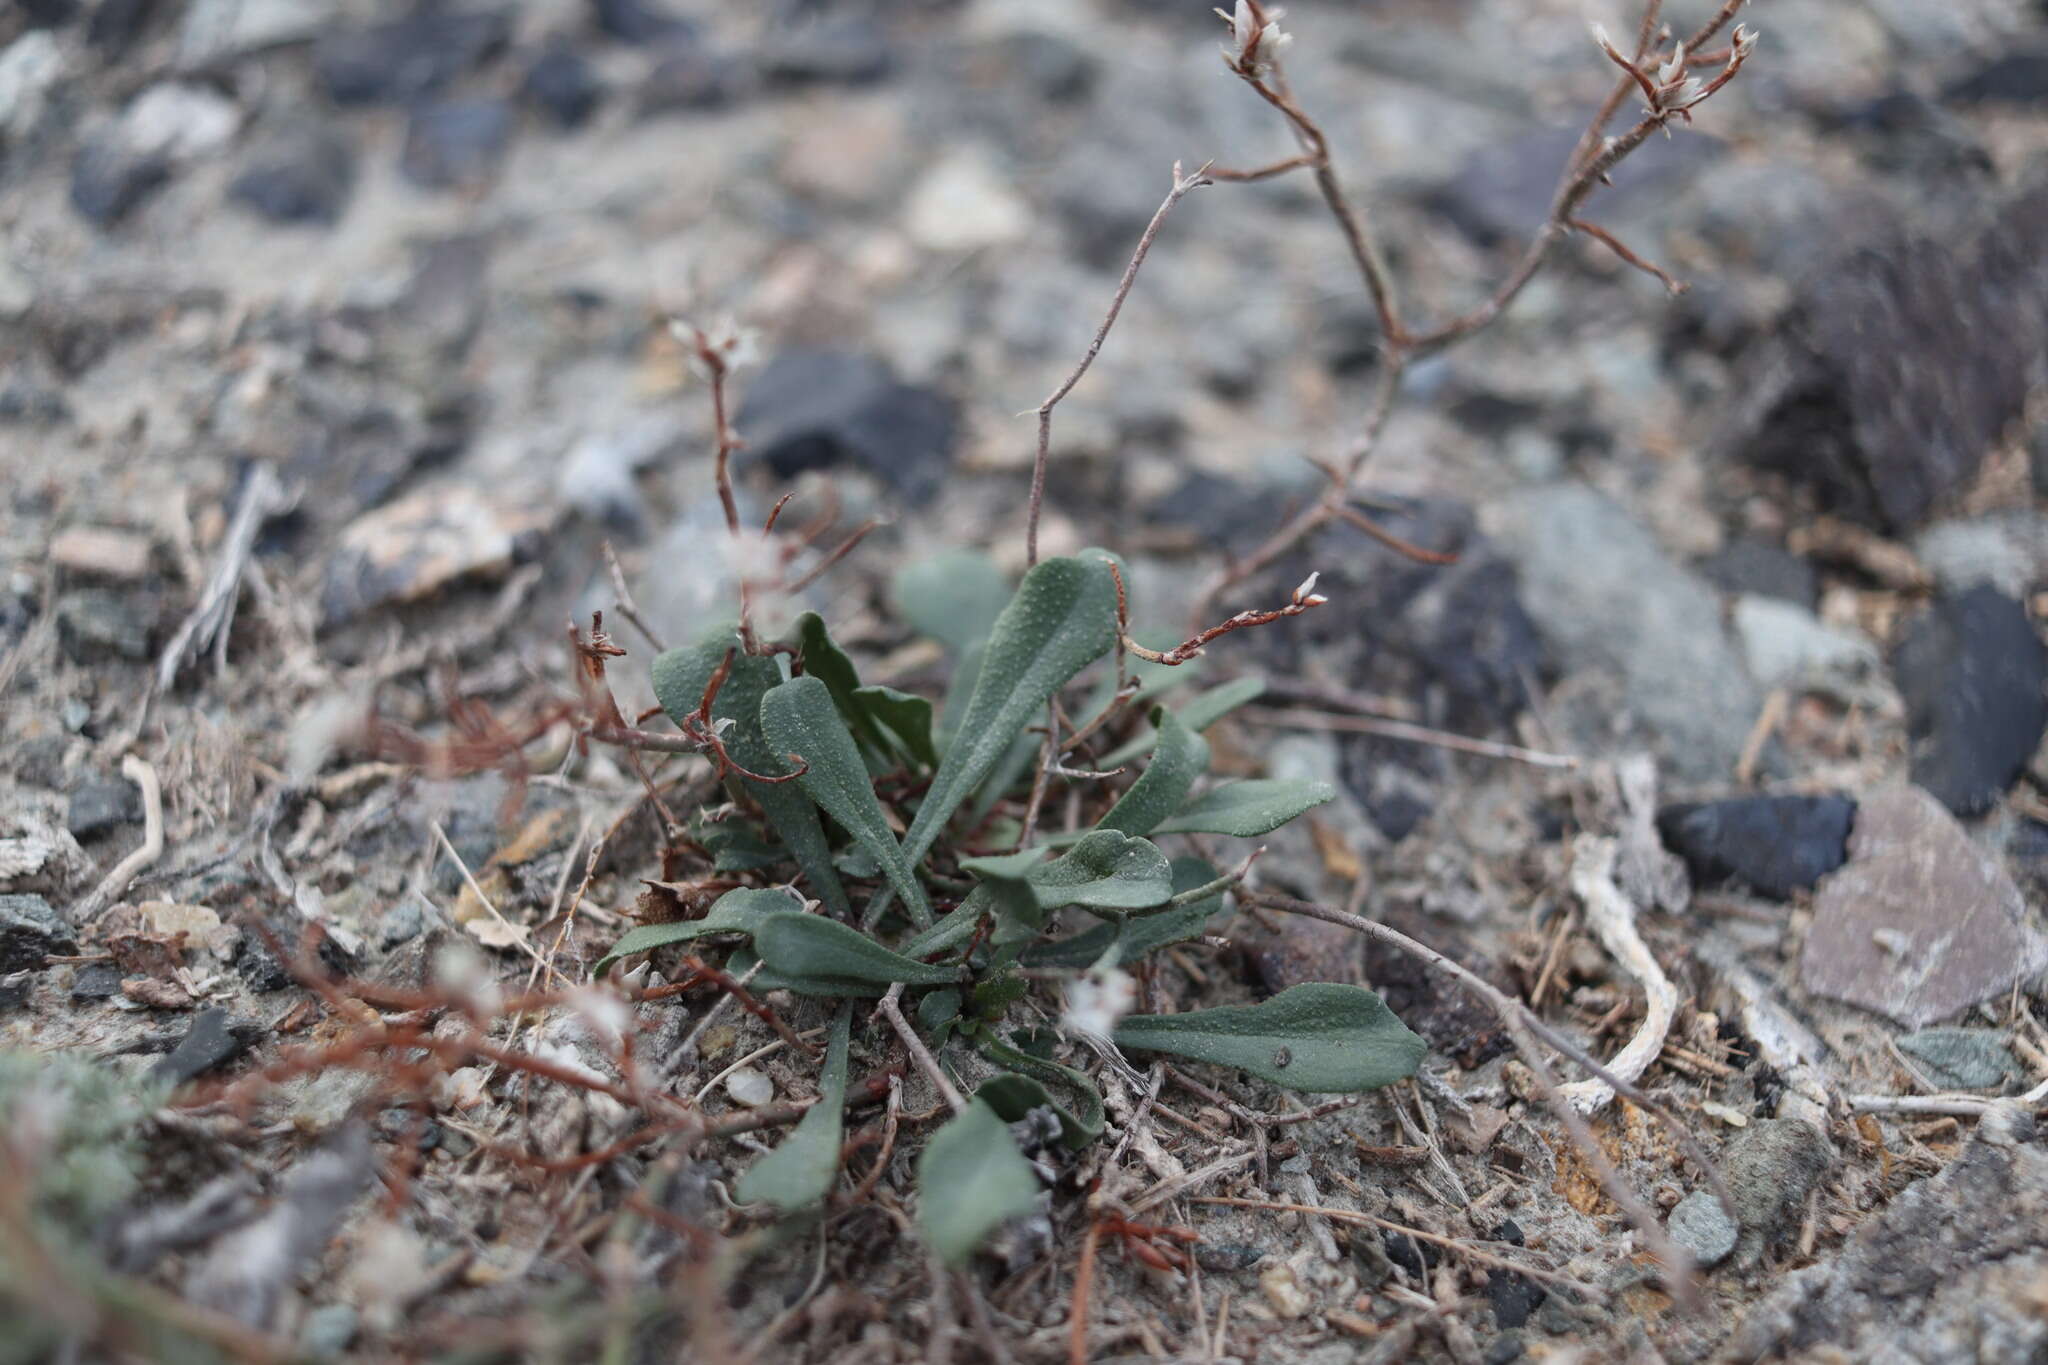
1903	133
211	1043
1513	1298
1224	1258
1774	844
816	409
1608	600
109	180
116	24
48	13
1963	1058
29	931
15	989
637	21
834	50
1454	635
1056	69
264	972
457	144
561	84
300	174
690	79
1503	191
1757	566
404	59
1972	671
33	405
2009	78
96	981
1920	922
1219	513
1899	366
102	804
1951	1270
97	624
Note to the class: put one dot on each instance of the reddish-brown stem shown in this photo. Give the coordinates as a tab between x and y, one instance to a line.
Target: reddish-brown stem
1181	185
1619	248
1084	1283
844	548
1393	542
1256	173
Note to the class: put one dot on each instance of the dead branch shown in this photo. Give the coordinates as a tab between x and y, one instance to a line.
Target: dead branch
1181	185
1524	1029
207	627
138	771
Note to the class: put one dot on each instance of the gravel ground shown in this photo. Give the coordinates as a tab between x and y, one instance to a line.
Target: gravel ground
372	305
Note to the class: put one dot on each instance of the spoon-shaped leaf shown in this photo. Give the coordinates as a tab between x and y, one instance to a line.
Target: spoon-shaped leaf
680	677
953	597
827	662
907	719
1180	758
1319	1038
1015	1094
1106	871
799	718
765	978
801	945
971	1179
736	912
1062	618
1139	935
799	1173
1249	808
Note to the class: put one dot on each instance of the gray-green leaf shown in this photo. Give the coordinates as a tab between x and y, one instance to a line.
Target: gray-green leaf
828	663
1106	871
1014	1095
1319	1038
802	945
906	719
1180	758
1062	618
1199	714
680	677
736	912
1249	808
799	1173
971	1179
799	718
1135	937
954	597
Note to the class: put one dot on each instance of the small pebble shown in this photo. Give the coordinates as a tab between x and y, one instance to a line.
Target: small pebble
1283	1290
750	1087
1702	1227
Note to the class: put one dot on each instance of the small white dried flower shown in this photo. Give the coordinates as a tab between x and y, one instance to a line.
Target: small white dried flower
1255	38
604	1013
1745	39
1095	1002
736	347
1604	43
1308	585
1672	69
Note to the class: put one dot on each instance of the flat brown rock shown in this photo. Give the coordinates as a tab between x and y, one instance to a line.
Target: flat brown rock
1920	922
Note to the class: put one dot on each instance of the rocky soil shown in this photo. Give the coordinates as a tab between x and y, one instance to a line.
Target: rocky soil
335	347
